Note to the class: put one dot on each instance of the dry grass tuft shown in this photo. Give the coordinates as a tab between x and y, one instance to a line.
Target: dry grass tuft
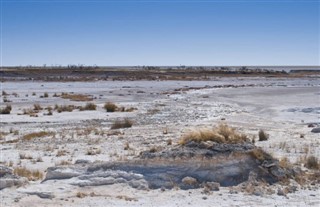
6	110
312	163
221	134
260	155
126	123
33	135
62	108
88	107
37	107
76	97
30	174
93	151
263	136
110	107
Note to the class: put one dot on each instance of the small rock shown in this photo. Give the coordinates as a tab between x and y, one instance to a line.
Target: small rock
316	130
281	192
311	125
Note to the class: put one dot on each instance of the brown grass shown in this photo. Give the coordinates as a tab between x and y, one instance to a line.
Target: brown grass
62	108
263	136
37	107
118	124
76	97
260	155
110	107
33	135
30	174
221	134
312	163
88	107
6	110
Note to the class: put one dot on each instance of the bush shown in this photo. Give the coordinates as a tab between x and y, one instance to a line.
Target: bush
263	136
45	95
37	135
110	107
221	134
62	108
31	175
37	107
126	123
89	107
312	163
6	110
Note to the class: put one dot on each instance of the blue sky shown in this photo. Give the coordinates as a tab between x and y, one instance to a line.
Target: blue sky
160	32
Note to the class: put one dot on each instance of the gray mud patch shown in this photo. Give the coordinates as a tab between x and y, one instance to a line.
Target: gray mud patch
201	163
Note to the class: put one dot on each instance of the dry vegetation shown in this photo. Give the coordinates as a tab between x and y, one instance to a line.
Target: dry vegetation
88	107
76	97
29	174
221	134
263	136
118	124
33	135
6	110
112	107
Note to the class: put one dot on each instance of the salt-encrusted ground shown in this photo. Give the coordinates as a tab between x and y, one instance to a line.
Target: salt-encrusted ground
165	110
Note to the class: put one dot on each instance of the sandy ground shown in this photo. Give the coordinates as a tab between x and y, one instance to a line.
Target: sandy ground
281	107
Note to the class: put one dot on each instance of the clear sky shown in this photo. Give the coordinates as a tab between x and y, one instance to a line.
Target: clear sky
102	32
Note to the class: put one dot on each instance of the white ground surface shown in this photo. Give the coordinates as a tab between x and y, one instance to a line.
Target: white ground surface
267	105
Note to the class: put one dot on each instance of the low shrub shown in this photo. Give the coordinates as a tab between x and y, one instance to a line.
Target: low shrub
110	107
31	175
88	107
126	123
221	134
6	110
263	136
36	135
312	163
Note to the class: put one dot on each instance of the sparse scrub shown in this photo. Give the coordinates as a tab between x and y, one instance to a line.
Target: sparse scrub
34	93
93	151
118	124
37	107
88	107
63	108
312	163
76	97
260	155
33	135
4	93
110	107
81	195
6	110
263	136
29	174
23	156
61	153
45	95
221	134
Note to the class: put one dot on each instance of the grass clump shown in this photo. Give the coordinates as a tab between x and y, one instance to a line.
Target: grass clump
33	135
88	107
63	108
29	174
110	107
312	163
260	155
37	107
76	97
221	134
263	136
6	110
118	124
